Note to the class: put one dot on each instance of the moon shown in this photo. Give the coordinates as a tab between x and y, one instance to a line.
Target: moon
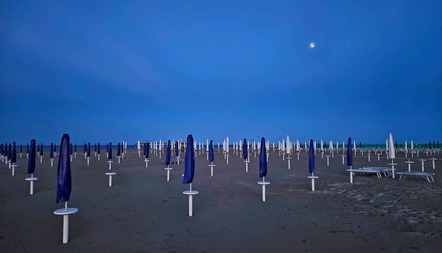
312	45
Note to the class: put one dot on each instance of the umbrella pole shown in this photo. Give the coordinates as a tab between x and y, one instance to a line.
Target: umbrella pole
351	175
313	182
263	190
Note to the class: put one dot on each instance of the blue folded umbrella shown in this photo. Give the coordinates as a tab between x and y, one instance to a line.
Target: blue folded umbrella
31	159
349	153
64	179
109	156
311	157
263	159
189	164
168	153
51	152
98	148
13	155
211	151
245	152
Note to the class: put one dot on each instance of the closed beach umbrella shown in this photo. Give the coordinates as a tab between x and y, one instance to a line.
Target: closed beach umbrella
75	148
64	180
98	148
21	148
177	150
27	148
41	149
51	152
13	155
430	144
391	153
31	160
55	147
311	157
263	159
168	151
245	151
88	149
146	150
118	149
349	153
95	147
85	148
211	151
189	164
8	152
109	155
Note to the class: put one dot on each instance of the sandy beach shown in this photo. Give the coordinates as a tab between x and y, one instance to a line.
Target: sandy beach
142	212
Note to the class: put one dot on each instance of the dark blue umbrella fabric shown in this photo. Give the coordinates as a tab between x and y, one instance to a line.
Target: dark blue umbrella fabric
31	160
263	159
13	155
51	152
211	151
349	153
98	148
189	163
64	180
145	149
27	148
9	152
168	153
177	149
245	152
109	156
88	149
311	157
21	148
118	150
85	148
41	149
75	148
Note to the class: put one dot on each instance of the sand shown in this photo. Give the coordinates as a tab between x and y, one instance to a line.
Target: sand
142	212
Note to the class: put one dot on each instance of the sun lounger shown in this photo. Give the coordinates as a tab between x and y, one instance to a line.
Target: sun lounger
428	176
370	170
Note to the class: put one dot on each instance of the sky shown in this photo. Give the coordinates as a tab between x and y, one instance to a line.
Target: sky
147	70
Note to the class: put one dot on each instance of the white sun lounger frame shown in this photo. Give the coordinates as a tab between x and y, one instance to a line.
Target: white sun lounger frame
427	175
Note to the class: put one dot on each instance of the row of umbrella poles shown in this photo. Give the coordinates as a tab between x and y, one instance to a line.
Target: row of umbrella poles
64	180
190	164
64	174
64	185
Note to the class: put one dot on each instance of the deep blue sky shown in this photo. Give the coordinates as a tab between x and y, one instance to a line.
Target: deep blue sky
108	71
